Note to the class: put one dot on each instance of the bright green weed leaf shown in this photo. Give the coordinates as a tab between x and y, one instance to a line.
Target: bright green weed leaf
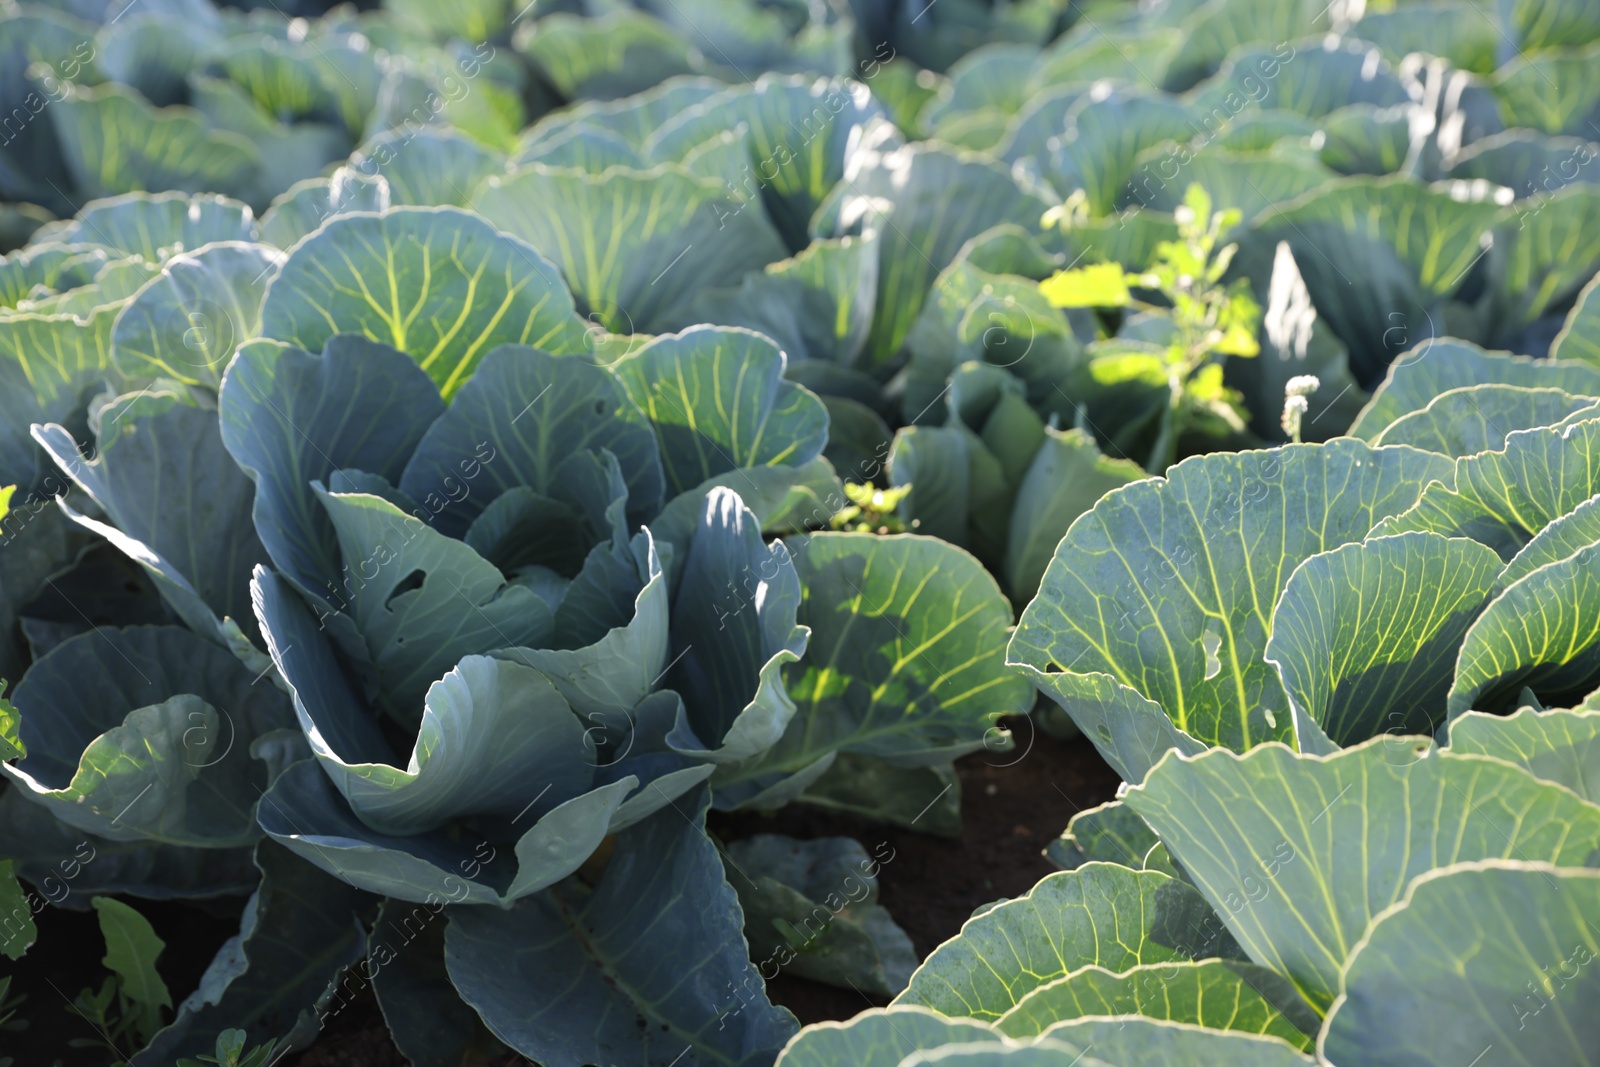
1101	285
132	949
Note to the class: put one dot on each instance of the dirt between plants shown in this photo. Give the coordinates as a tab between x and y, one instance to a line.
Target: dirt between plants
1012	805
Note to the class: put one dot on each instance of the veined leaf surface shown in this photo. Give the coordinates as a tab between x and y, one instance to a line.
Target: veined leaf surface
1127	1041
415	630
1477	418
1166	587
1504	498
47	365
632	244
1298	869
1217	994
881	1037
1098	915
1543	633
660	939
906	657
1437	367
160	224
529	412
1557	746
198	556
1474	962
1579	339
187	323
1365	636
718	401
439	284
290	418
145	733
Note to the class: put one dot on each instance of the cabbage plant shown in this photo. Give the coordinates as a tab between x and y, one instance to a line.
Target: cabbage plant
424	454
477	612
1321	595
1391	903
1354	691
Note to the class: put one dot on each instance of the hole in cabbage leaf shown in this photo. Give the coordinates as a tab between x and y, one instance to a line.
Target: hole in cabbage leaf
405	585
1211	641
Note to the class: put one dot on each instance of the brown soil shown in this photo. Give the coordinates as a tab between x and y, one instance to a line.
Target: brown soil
66	959
1012	805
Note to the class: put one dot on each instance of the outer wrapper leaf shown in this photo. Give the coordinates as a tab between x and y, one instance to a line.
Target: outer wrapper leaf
650	963
1365	637
145	733
1159	1043
277	979
114	142
811	907
158	225
1543	633
441	285
881	1037
1579	339
632	244
197	555
718	401
1499	956
1217	994
69	865
1111	832
1435	367
1557	746
1504	498
1098	915
1163	591
1463	422
427	1019
905	660
1299	869
48	363
186	324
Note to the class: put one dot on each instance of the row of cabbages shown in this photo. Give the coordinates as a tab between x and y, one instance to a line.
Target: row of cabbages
459	525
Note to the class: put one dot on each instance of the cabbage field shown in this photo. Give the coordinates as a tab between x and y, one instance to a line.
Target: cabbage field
827	533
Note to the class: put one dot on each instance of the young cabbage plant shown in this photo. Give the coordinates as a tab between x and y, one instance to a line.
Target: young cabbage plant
1321	595
490	613
1327	920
